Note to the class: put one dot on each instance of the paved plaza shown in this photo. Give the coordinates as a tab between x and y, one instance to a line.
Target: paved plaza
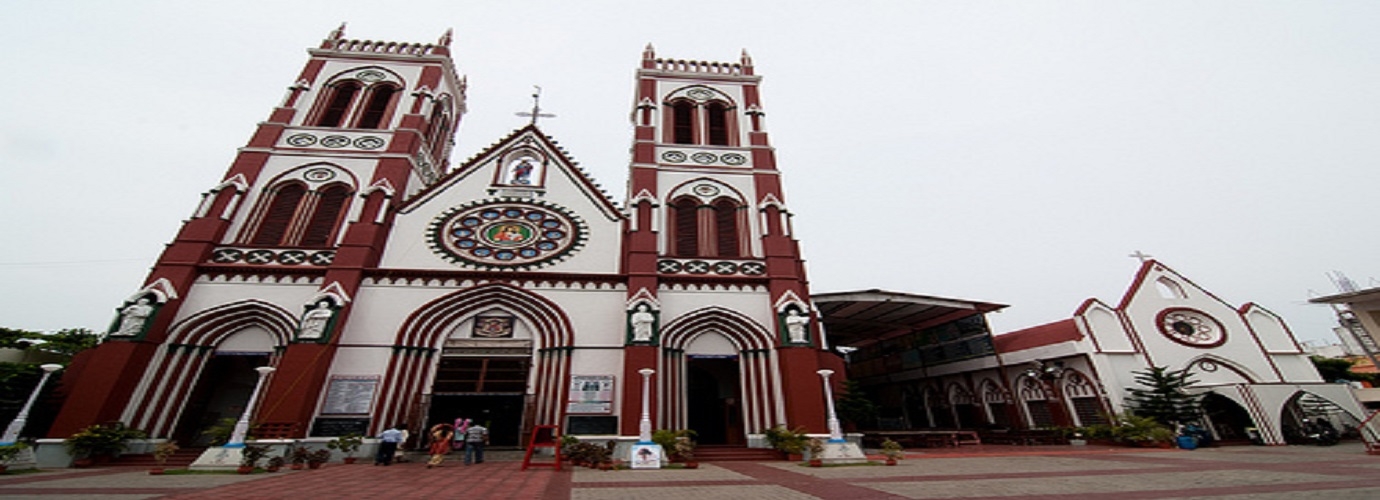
979	472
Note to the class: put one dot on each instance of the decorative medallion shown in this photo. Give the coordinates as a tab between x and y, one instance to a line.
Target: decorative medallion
507	233
704	158
493	327
1191	327
700	94
302	140
733	158
673	156
319	174
335	141
706	190
370	76
368	142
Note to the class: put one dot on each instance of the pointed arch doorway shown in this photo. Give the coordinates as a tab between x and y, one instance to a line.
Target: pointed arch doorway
485	381
714	398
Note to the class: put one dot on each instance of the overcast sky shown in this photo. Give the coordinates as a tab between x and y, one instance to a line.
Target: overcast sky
1012	152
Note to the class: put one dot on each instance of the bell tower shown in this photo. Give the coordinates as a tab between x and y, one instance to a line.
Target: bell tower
707	213
309	200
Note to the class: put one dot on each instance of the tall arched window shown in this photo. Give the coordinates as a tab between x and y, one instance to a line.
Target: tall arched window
337	104
717	119
438	128
683	122
324	219
279	215
726	228
376	106
687	234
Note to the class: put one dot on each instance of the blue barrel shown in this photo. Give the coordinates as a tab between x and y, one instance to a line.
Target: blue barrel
1188	442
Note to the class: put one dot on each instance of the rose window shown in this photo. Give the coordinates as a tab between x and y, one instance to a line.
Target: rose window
507	234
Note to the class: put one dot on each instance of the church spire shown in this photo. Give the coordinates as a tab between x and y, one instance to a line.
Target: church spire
446	38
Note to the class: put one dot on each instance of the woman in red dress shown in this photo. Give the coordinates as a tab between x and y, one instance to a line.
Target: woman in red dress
441	434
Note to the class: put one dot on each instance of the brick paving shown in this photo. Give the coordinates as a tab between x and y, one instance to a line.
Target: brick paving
977	473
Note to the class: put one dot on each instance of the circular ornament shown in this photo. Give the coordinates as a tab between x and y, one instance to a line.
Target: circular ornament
673	156
302	140
1191	327
507	234
335	141
706	190
733	159
319	175
370	76
704	158
700	94
368	142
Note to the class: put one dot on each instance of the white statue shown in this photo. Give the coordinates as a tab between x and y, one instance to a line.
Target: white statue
642	322
796	324
133	318
314	322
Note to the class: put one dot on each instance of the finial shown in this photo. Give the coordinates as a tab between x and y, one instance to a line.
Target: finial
338	33
1141	256
536	108
446	38
648	53
747	59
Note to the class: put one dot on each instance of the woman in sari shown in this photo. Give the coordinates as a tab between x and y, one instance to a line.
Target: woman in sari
441	434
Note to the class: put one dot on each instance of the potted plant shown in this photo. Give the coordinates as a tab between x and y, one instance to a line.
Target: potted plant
318	457
299	457
347	444
685	451
8	454
100	442
250	457
892	451
791	443
816	452
670	441
274	464
161	453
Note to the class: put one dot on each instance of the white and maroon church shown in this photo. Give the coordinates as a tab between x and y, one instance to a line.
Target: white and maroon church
387	286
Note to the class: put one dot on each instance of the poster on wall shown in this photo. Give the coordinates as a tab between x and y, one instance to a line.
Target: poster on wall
347	395
591	394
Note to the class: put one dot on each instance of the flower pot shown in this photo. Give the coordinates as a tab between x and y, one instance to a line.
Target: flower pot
273	468
795	457
313	465
605	466
152	472
815	462
692	465
349	460
891	461
82	463
296	466
245	469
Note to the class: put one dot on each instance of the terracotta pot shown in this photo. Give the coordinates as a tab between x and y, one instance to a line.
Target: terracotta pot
891	461
692	465
313	465
82	463
605	466
152	472
295	466
349	460
816	463
245	469
795	457
273	468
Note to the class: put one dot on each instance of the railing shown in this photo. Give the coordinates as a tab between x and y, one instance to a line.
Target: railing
699	67
376	47
1368	435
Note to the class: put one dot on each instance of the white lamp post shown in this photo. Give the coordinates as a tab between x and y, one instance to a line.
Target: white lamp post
17	425
644	428
835	432
242	427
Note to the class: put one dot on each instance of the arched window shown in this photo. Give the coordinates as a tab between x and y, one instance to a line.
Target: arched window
683	122
322	223
686	230
377	105
717	118
438	129
279	215
726	228
338	102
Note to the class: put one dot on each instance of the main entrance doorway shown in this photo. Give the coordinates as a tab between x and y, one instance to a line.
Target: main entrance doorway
714	399
224	387
485	382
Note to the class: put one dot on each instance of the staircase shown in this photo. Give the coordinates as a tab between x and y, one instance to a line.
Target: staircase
728	453
179	460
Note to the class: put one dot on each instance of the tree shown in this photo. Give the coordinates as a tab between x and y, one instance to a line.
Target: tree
1164	396
854	407
1334	369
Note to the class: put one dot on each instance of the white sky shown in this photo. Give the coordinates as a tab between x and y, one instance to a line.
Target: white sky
1004	151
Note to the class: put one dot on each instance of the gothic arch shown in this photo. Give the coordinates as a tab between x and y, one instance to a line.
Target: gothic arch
996	401
176	368
756	363
303	206
1217	367
420	337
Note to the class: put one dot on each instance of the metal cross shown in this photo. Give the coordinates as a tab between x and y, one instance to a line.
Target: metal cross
1142	256
536	108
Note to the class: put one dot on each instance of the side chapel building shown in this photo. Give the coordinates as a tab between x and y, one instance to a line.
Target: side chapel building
386	285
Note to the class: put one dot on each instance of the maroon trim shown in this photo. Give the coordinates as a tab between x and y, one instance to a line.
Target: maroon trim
1159	326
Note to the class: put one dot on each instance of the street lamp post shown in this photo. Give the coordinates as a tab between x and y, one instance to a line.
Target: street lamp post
835	432
17	425
644	427
242	427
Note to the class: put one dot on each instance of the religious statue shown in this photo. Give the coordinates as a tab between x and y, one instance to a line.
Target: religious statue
642	323
796	326
133	317
314	322
522	172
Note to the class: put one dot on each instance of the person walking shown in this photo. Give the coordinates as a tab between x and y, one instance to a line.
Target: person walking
441	434
476	437
461	425
388	444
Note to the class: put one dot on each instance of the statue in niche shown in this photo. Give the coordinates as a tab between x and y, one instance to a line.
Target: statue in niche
133	318
643	324
522	172
797	327
314	322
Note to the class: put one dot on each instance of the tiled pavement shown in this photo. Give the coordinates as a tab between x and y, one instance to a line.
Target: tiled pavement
982	473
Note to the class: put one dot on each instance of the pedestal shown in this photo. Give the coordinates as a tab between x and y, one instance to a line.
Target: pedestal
25	460
219	458
842	453
645	456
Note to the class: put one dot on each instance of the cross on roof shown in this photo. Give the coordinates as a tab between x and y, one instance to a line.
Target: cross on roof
1142	256
536	108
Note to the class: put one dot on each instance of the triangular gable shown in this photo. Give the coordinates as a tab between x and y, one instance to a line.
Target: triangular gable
561	164
1150	271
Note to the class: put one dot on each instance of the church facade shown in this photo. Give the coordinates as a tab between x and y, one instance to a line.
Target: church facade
386	286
